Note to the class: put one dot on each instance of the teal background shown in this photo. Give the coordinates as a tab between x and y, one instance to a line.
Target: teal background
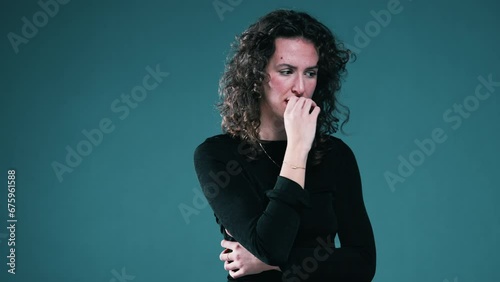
119	208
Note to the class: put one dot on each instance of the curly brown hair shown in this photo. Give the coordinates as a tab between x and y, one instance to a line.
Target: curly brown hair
240	87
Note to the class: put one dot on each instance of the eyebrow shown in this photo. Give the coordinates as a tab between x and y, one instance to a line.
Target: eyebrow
294	67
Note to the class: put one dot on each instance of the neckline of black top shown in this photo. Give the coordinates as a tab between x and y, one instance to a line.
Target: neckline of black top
272	141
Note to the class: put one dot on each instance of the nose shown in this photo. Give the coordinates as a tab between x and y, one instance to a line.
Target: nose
298	86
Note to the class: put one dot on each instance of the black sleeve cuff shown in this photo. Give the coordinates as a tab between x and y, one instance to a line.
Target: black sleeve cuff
289	192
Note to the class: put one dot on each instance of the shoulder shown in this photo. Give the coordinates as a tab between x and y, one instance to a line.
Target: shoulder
338	148
336	144
216	145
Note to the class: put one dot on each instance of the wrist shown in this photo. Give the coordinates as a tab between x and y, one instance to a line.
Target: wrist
295	156
300	149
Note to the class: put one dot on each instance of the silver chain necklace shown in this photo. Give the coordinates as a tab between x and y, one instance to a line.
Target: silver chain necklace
268	155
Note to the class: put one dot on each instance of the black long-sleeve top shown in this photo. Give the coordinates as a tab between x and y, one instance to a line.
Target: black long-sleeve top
282	224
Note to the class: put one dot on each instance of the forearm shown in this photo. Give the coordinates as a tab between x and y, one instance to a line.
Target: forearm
294	163
355	260
267	231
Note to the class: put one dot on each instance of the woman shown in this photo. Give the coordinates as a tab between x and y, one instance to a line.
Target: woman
280	185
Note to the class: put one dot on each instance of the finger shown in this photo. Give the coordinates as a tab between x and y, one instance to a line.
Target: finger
294	104
300	103
293	99
228	244
315	112
231	266
307	106
311	106
237	273
291	103
314	103
224	255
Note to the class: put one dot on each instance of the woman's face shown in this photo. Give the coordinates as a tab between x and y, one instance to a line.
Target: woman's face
292	71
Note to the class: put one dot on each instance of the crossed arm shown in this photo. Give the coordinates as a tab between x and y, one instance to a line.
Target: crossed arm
239	262
265	239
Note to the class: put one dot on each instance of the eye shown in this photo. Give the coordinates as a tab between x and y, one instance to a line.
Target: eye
311	73
286	72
